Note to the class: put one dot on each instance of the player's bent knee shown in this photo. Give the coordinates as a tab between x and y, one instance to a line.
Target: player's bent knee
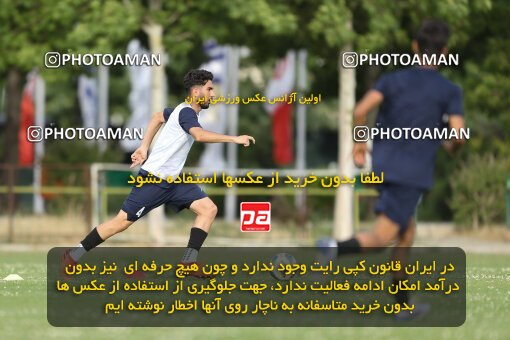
122	222
210	210
205	208
213	210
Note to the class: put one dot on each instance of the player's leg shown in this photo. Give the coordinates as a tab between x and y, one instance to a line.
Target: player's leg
99	234
401	253
383	234
401	250
406	239
114	226
138	203
206	211
395	207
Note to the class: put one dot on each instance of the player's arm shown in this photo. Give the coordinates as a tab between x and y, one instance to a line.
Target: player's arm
370	101
140	154
455	122
455	111
204	136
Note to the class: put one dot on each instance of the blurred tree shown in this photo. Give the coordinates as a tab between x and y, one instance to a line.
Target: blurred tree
30	29
486	82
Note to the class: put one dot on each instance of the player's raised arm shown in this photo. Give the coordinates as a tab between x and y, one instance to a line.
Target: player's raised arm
455	111
455	122
370	101
204	136
140	154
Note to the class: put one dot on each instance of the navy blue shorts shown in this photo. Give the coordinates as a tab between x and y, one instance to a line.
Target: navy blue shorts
143	199
398	202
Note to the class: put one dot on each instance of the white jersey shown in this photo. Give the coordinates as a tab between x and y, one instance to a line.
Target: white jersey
174	142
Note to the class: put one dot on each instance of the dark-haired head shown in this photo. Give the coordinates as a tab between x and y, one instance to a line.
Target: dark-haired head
198	84
432	38
196	78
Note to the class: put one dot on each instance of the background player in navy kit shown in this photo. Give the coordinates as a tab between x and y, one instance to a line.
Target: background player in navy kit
167	159
415	97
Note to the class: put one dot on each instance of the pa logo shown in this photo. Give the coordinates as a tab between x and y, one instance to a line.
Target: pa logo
256	216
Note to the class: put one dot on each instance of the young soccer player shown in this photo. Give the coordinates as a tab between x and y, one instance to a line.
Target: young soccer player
167	159
415	97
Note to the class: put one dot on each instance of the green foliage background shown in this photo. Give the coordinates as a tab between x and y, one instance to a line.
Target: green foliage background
481	36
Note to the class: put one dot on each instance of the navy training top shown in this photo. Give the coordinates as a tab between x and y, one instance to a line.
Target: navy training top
413	98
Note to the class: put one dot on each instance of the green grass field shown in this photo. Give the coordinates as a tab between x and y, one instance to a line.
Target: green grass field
23	310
